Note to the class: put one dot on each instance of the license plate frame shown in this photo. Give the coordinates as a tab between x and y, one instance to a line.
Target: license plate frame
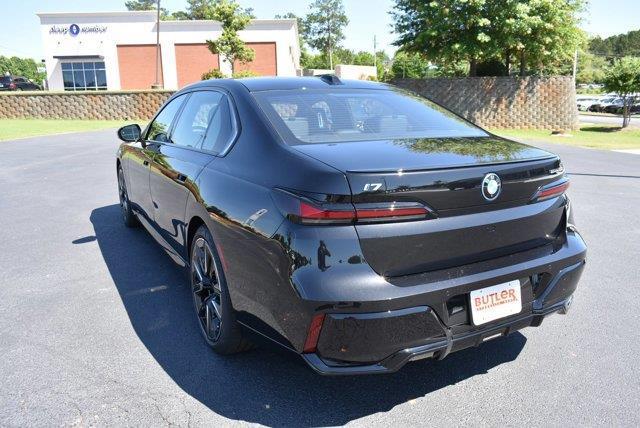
495	302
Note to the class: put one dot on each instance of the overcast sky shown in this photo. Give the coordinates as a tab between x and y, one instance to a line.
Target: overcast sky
19	33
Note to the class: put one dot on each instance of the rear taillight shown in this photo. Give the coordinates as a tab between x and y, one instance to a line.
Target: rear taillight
12	85
308	213
551	191
392	211
300	209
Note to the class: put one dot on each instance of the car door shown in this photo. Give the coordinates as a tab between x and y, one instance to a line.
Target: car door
32	86
139	156
20	83
178	162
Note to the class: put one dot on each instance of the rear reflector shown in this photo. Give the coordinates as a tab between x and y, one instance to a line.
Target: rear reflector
551	191
313	335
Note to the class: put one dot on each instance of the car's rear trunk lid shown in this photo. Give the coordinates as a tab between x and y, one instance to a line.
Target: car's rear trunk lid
446	175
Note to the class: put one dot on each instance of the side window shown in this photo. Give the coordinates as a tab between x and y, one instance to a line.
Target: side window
159	128
221	127
195	118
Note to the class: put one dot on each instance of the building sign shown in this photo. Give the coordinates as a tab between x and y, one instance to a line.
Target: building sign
75	30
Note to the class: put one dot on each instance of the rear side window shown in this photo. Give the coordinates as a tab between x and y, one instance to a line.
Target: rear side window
221	129
159	128
194	120
340	115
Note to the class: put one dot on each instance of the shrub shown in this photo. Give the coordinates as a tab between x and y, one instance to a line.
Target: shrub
213	74
244	73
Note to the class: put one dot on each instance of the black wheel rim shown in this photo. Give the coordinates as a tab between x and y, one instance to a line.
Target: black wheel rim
122	193
206	289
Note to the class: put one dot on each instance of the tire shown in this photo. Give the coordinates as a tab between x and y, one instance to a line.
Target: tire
212	304
128	217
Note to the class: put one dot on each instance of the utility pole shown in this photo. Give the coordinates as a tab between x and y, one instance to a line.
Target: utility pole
375	57
329	40
157	84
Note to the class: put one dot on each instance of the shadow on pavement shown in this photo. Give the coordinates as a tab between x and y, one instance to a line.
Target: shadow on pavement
266	386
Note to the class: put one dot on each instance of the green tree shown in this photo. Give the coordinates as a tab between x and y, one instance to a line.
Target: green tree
204	10
383	65
540	33
623	78
325	26
25	67
445	31
229	45
410	65
363	58
141	4
619	45
147	5
321	60
544	33
591	68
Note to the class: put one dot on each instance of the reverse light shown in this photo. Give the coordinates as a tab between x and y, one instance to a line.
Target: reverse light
551	191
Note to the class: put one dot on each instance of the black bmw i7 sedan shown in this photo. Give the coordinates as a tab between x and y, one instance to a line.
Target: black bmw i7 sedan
357	224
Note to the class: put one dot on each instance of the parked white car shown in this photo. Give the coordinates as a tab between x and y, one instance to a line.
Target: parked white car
585	103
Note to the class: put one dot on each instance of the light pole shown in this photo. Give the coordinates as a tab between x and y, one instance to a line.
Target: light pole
157	84
375	57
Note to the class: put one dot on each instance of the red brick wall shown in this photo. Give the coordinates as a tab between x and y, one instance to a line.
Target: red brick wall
137	65
192	61
264	63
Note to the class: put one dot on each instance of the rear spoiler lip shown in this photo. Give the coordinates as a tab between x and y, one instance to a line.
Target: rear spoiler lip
447	167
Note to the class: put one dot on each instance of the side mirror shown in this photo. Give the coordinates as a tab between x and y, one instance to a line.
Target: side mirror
130	133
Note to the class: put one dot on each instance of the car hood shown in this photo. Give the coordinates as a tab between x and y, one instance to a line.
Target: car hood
420	154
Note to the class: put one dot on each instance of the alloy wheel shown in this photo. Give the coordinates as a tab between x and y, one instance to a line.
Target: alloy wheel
122	193
206	290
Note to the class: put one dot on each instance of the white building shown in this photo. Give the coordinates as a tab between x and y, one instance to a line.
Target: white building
117	50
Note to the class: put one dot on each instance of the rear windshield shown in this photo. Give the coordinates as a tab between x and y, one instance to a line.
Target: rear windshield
335	116
5	79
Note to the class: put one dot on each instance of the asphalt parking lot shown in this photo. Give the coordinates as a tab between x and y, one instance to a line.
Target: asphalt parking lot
96	324
606	119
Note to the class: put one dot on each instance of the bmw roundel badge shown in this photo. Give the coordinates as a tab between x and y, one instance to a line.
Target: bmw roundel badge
491	186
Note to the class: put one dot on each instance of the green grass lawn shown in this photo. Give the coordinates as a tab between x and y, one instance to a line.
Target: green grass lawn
19	128
596	137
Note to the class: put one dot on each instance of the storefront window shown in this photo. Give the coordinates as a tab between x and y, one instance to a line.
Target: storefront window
84	76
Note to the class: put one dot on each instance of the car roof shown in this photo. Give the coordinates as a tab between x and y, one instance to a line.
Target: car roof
256	84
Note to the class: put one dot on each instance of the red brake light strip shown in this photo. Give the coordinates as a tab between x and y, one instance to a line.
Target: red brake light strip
550	192
311	213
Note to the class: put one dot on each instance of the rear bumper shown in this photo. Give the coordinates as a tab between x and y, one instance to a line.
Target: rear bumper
380	337
437	349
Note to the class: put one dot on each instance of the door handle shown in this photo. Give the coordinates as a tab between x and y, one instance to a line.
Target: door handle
145	163
181	178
